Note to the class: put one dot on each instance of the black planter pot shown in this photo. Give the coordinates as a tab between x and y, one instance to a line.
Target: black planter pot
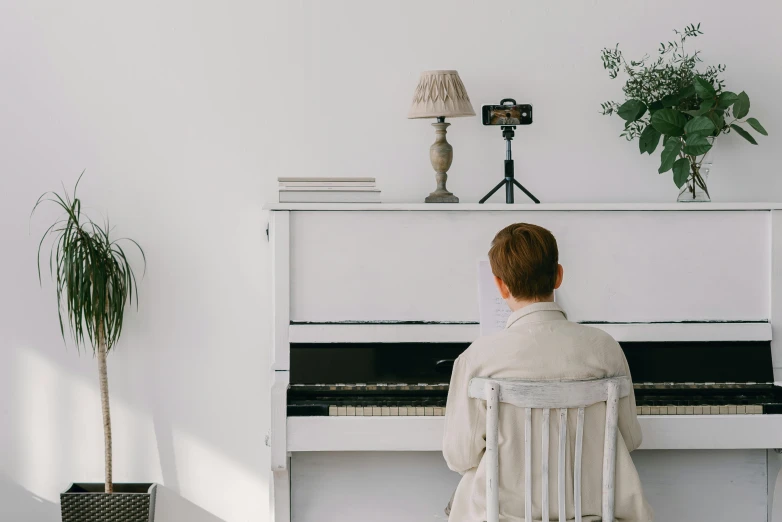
86	502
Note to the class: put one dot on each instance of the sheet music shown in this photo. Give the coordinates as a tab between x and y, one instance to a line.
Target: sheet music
494	312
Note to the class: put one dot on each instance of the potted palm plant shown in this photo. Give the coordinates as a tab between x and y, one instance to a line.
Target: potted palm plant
94	280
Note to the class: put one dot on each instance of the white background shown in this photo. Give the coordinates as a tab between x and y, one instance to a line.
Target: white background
183	113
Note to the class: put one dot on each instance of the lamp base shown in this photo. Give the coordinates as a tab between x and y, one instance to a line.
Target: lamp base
441	156
441	198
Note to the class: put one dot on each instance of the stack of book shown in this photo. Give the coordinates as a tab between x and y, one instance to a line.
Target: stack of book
328	190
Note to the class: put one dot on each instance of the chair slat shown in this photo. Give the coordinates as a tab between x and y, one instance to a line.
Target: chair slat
528	464
561	463
544	466
577	464
609	451
492	456
546	396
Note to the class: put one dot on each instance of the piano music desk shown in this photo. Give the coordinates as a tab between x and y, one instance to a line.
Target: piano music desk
357	281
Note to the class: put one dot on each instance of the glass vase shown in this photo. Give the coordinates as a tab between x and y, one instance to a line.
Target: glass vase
696	189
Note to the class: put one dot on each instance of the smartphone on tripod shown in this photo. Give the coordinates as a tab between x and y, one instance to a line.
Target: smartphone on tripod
507	115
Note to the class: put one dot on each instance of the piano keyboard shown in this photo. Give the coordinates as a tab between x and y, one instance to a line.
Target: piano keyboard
429	400
439	411
386	411
729	409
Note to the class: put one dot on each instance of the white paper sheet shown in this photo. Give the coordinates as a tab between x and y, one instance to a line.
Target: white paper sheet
494	312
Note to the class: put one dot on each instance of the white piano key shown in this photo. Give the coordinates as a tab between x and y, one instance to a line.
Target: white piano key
681	410
411	411
438	412
385	411
732	410
697	410
714	410
688	410
429	411
351	411
645	410
403	411
419	411
342	411
741	410
393	411
638	410
723	410
654	410
376	412
332	411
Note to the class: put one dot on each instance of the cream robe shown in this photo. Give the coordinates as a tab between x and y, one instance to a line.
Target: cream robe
539	343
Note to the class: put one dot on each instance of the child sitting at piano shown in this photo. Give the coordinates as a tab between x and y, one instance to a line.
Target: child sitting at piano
538	343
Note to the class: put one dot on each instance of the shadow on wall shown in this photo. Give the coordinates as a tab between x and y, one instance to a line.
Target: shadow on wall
171	507
19	505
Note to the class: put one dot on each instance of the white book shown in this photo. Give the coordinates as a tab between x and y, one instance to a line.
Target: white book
329	189
301	196
324	179
369	184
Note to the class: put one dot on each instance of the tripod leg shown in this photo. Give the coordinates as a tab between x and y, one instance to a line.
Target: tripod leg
490	194
527	192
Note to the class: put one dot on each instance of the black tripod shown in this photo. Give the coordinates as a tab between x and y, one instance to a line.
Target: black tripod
510	180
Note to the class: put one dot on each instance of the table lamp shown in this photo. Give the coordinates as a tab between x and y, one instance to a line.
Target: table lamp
440	94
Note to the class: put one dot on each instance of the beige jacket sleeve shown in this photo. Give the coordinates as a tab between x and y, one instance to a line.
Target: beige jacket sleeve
628	418
464	439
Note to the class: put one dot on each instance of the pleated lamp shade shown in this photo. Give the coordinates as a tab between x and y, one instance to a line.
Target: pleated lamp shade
440	94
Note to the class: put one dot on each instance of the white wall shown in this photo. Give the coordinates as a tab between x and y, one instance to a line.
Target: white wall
184	113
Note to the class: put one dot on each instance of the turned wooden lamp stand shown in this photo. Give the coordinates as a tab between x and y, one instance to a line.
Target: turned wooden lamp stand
440	94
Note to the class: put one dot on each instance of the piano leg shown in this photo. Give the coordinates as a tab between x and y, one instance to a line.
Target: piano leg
280	501
774	486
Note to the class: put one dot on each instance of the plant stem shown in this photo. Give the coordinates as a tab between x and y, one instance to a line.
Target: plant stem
104	400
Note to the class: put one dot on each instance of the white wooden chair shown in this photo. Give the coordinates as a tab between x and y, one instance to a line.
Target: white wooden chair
548	395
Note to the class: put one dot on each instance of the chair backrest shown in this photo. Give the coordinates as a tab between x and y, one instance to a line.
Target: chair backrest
559	396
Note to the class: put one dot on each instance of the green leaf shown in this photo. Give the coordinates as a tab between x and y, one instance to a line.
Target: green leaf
681	171
717	119
700	125
741	105
671	150
631	110
649	139
687	92
670	101
703	88
726	99
655	106
669	121
697	145
706	106
755	124
744	134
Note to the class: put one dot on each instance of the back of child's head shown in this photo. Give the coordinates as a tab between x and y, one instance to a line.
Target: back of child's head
526	258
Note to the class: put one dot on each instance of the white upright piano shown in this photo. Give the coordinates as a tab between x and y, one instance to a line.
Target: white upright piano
373	302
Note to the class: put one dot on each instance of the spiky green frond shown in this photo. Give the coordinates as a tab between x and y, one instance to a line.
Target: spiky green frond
93	277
